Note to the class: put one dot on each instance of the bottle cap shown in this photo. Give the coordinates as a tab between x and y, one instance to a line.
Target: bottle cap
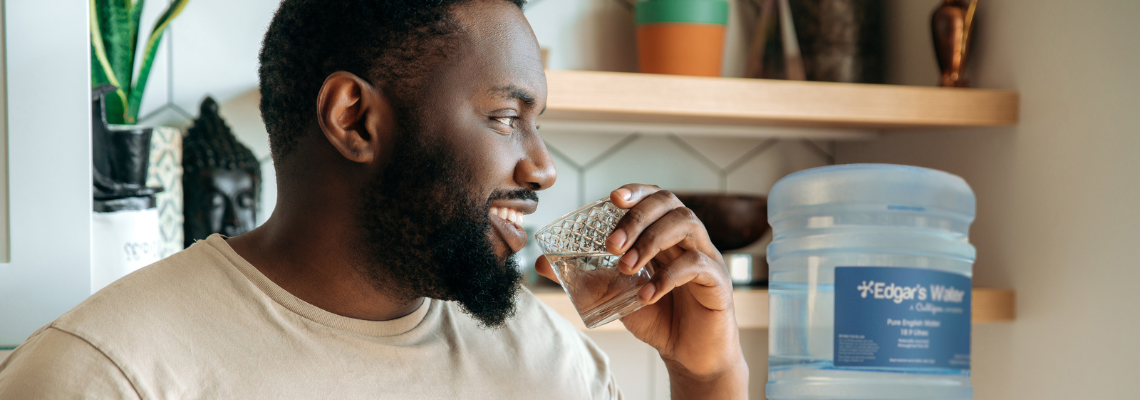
895	187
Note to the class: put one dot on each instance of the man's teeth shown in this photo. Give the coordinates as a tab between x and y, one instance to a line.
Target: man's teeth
509	214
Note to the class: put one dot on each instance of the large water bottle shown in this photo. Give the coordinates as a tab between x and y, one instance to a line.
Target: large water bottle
870	271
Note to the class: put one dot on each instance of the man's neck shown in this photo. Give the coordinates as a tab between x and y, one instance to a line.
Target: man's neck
307	255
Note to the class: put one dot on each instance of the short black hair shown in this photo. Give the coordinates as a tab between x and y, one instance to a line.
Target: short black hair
386	42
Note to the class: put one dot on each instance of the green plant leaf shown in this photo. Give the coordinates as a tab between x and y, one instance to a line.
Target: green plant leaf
139	87
134	15
114	23
104	73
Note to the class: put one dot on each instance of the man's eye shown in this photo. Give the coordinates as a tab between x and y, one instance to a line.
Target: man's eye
508	121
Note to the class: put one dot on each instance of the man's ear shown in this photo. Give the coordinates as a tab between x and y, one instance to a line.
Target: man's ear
354	116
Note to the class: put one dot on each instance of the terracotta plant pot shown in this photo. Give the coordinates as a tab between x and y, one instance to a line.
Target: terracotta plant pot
681	37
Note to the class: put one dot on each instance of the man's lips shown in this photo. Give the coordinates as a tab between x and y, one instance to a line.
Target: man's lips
512	234
507	218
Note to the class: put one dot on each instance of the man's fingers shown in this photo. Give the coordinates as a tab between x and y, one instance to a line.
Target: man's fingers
542	266
630	194
677	227
707	281
645	213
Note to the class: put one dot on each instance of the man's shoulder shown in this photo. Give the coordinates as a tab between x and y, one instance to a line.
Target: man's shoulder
48	364
144	327
164	297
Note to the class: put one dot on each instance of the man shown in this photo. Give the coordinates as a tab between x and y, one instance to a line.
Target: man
406	149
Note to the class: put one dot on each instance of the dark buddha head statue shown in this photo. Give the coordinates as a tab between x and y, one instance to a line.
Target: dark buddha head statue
221	179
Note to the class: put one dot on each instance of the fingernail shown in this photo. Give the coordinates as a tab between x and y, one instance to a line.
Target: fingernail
624	194
630	258
617	238
647	292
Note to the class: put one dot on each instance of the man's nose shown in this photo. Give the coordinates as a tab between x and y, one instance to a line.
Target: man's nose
536	171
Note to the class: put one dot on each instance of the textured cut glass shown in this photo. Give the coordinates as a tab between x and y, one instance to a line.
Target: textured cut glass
576	247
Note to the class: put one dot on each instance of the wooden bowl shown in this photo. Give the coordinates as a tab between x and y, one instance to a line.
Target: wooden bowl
733	220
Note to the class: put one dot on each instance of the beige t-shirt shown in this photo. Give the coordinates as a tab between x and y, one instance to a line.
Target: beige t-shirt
205	324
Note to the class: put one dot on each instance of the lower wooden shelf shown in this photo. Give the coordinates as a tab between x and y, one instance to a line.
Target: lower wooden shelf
990	305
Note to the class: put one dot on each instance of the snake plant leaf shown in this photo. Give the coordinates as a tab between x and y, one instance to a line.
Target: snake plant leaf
114	20
134	16
136	92
116	101
104	72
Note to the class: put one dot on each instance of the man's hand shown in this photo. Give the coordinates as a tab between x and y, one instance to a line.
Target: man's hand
689	316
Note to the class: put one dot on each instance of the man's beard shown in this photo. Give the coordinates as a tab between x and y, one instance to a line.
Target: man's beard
424	233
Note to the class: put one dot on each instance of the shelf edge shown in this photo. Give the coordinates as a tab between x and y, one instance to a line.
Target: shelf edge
631	97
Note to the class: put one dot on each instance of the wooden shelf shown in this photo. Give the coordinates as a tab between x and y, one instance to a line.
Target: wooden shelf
989	306
739	106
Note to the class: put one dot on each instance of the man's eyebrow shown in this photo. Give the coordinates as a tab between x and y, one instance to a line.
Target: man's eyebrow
515	92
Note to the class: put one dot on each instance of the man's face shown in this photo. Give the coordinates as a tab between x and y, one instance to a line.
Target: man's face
442	220
485	100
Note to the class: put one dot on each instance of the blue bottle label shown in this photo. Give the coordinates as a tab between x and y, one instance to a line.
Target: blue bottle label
901	318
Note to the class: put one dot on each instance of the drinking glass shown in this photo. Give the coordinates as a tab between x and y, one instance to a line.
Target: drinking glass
575	245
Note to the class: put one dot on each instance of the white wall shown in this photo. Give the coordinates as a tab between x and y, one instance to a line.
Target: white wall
1058	195
49	155
3	145
3	152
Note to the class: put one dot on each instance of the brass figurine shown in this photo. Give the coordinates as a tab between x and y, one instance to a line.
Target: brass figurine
950	27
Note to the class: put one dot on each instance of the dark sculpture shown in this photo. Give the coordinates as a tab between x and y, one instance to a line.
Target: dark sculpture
950	27
221	179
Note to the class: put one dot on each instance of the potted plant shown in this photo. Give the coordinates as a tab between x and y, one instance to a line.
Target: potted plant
131	161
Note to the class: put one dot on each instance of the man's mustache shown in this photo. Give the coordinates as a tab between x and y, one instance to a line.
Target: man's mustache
515	194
